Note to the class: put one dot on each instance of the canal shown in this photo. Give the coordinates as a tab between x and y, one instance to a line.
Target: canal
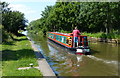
102	62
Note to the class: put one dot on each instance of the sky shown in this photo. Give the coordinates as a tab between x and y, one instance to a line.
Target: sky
31	8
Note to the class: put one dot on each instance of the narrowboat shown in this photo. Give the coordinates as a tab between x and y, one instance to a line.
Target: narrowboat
66	40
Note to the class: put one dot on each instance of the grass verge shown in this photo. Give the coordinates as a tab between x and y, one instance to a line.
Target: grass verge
17	54
103	35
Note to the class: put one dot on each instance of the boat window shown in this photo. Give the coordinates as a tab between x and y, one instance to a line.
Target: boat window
62	39
80	41
85	41
51	35
56	37
65	40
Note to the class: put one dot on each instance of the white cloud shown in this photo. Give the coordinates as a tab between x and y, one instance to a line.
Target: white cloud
29	12
30	0
22	8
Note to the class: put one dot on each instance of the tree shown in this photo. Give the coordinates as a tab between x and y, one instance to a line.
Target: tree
88	16
12	20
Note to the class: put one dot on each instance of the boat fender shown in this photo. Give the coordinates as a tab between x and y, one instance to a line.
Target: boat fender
70	42
67	41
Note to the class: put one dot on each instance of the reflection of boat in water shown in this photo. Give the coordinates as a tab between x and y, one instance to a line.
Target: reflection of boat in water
66	40
60	48
79	58
65	59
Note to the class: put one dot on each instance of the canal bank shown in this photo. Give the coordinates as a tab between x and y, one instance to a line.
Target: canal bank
44	67
103	37
94	39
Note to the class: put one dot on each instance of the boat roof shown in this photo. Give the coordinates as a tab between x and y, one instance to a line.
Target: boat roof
64	34
59	33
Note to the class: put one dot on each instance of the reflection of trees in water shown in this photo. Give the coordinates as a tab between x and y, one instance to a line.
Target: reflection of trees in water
72	66
67	62
73	63
36	37
40	40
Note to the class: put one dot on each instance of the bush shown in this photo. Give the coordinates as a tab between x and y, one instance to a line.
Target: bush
63	31
6	37
103	35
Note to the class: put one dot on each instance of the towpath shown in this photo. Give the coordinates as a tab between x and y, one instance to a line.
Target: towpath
44	67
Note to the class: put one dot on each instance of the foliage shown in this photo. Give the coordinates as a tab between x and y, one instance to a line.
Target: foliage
63	31
93	34
103	35
5	35
87	16
12	20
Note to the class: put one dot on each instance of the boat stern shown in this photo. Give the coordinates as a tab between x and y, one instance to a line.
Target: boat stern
82	51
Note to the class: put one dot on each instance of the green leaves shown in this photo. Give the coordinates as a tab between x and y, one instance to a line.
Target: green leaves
88	16
12	20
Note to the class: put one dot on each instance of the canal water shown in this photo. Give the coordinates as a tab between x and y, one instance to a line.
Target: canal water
102	62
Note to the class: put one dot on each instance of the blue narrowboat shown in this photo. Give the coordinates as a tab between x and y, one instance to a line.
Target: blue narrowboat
66	40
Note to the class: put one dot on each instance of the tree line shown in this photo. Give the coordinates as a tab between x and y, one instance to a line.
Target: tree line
87	16
11	22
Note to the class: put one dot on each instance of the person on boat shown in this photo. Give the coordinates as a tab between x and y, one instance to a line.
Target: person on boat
75	33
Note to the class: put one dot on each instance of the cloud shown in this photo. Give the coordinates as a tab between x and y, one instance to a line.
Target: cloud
30	0
29	12
22	8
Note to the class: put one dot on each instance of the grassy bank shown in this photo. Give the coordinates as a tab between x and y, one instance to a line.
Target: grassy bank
17	54
103	35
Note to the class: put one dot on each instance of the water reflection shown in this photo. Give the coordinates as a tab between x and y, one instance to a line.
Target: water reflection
66	59
102	62
79	58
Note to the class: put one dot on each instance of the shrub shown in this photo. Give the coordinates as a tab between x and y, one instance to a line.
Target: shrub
6	37
103	35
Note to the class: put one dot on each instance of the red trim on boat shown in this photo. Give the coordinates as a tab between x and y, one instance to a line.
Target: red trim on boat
80	53
60	34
